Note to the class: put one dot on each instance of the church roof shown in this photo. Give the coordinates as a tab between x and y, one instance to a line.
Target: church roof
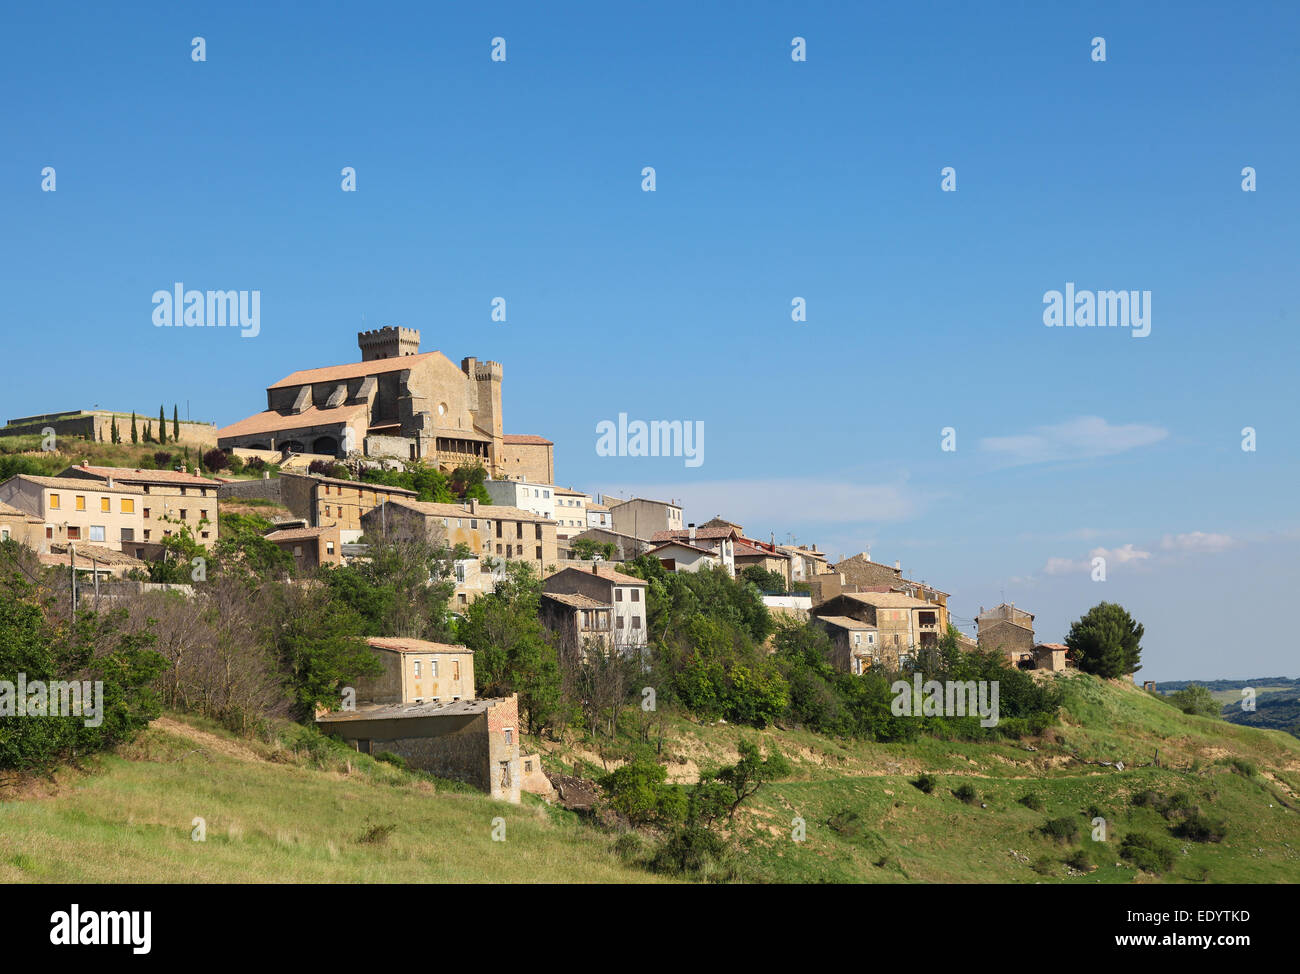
353	370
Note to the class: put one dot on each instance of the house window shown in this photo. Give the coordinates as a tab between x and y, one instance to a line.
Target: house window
128	505
455	669
505	774
81	502
636	595
105	504
4	534
329	547
510	735
203	515
97	532
519	529
54	501
619	623
184	514
417	669
74	533
538	535
433	669
539	552
636	622
146	534
146	512
473	524
618	595
49	531
498	549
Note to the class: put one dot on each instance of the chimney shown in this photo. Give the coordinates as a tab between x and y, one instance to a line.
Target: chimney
898	566
473	505
691	529
593	569
110	483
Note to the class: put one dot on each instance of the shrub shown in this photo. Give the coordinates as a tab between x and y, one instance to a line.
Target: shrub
925	783
388	757
236	463
846	823
216	460
638	791
629	847
693	851
1032	801
1044	865
1079	859
1094	812
1247	769
1061	829
1199	828
377	834
163	459
966	793
1146	853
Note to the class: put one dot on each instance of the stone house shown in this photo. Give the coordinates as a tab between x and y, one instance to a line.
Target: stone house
330	501
1008	630
72	509
642	518
682	556
176	496
18	525
310	547
855	647
575	619
903	623
488	530
603	584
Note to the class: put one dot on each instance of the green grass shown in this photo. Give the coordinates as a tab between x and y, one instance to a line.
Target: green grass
273	817
277	815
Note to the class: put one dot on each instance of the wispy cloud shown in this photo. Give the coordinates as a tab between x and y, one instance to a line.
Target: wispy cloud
1077	439
1122	555
1197	541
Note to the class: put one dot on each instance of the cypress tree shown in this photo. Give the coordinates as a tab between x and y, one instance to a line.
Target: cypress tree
135	434
162	425
176	424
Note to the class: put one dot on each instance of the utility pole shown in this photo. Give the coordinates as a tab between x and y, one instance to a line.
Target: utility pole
72	564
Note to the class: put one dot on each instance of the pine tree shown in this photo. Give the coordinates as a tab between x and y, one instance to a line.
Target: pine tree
135	434
176	424
162	425
1107	641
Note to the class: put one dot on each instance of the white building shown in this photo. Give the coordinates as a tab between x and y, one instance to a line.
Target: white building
538	499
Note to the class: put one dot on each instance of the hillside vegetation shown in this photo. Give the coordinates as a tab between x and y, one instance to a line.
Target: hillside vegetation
305	812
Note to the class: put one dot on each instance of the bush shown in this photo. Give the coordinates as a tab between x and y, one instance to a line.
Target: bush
847	823
966	793
638	791
1061	829
1033	802
1147	853
1079	859
693	851
163	459
216	460
236	463
925	783
628	847
388	757
1196	700
1199	828
1247	769
1044	865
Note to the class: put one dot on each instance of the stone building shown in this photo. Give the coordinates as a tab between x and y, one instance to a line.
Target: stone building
488	530
607	586
396	402
854	647
97	425
1007	630
643	518
309	547
18	525
422	708
902	623
330	501
71	509
176	497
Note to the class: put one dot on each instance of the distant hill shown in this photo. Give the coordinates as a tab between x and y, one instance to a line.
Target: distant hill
1277	700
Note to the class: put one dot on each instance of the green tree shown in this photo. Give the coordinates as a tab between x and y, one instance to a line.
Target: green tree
176	424
135	433
1107	641
639	790
162	425
1197	700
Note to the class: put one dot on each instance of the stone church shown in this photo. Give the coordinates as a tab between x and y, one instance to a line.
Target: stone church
397	402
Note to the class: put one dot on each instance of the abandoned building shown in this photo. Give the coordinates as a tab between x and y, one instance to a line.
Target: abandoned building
1008	630
423	709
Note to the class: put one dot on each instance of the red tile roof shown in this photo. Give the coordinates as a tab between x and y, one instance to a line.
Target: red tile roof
270	421
526	439
132	475
353	370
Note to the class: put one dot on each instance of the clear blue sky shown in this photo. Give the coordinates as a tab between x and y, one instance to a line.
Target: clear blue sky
775	179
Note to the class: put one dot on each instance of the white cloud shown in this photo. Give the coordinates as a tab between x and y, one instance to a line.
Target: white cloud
1114	556
1075	439
1196	541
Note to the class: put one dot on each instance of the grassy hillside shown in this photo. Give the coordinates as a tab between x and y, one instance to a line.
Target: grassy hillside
276	815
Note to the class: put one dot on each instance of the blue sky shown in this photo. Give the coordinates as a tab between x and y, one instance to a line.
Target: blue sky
775	179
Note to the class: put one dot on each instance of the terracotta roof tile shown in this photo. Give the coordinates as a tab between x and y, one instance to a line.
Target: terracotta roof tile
270	421
131	475
352	370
